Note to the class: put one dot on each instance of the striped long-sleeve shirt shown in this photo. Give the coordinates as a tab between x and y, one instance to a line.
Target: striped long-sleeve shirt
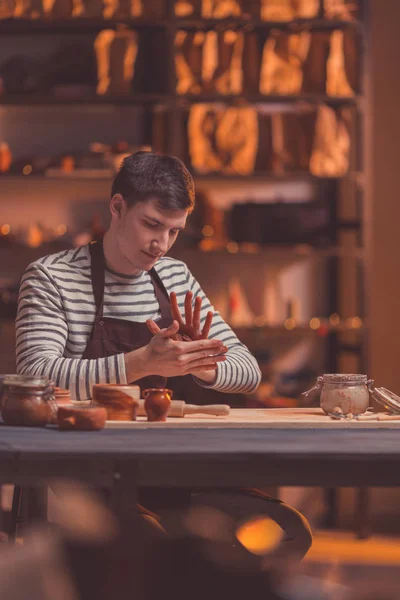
56	310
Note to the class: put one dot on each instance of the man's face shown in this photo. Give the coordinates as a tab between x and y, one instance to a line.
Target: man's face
145	233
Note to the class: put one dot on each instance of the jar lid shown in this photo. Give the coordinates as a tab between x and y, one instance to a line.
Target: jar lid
387	399
25	380
344	378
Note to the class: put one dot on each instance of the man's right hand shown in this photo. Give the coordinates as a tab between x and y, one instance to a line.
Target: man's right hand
169	358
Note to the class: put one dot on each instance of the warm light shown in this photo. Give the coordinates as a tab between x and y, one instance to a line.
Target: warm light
290	323
27	170
260	535
259	321
356	322
61	229
35	237
207	231
315	323
304	249
5	229
249	248
334	319
232	247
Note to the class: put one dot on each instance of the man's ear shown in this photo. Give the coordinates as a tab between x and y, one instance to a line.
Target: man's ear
117	206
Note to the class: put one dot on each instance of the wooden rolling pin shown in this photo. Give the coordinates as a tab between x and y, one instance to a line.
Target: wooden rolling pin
390	417
379	417
179	408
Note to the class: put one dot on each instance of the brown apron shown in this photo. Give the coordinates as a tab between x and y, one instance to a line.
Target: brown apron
111	336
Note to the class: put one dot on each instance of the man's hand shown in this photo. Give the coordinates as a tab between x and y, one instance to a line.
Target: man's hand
191	325
168	358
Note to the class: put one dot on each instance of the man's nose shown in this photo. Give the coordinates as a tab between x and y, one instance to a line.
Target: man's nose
162	241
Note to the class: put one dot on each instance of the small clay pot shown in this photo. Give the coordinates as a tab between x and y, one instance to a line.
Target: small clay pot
157	402
62	396
120	401
88	418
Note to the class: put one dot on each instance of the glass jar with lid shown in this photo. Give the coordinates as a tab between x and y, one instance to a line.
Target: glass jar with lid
342	393
27	400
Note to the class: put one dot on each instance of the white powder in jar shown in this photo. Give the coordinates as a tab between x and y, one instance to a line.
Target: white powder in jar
351	399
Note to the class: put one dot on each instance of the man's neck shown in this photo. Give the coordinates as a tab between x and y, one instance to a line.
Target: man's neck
114	260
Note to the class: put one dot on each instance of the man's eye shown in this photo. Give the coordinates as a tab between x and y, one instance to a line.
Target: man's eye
152	225
174	232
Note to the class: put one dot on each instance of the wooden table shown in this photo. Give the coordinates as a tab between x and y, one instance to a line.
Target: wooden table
271	447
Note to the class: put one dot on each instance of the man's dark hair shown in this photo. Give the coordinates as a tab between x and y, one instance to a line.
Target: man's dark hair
145	175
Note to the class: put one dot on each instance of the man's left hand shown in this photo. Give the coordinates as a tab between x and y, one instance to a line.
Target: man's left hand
191	325
190	328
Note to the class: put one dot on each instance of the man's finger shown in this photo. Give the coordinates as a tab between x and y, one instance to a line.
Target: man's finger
171	330
210	367
176	314
197	313
207	325
188	308
215	346
152	327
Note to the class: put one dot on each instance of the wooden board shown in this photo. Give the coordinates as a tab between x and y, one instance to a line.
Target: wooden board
272	418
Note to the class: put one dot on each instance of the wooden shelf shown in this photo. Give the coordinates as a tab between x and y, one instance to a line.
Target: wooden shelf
238	22
271	251
267	99
212	177
51	100
168	100
25	26
267	177
301	328
74	25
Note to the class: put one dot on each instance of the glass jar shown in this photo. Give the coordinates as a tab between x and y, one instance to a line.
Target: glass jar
343	393
27	401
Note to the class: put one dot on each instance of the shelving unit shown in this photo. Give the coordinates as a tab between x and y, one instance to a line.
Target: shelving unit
14	26
174	105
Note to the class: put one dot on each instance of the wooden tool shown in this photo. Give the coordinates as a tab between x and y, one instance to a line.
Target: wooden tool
390	417
179	408
379	417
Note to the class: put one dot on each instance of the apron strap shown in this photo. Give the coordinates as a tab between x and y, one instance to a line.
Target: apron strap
161	294
98	266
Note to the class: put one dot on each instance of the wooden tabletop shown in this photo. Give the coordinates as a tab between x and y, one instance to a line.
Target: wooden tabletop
258	418
275	447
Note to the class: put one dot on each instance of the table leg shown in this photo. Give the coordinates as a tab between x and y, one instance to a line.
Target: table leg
124	495
332	500
35	504
15	513
362	513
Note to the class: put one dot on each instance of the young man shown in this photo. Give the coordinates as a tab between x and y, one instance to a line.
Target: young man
110	312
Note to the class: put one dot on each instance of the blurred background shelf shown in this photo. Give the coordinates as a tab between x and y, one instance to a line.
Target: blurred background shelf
49	99
269	99
167	99
21	26
286	284
79	24
250	23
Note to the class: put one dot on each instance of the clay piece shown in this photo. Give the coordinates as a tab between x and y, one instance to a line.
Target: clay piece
120	401
157	403
88	418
